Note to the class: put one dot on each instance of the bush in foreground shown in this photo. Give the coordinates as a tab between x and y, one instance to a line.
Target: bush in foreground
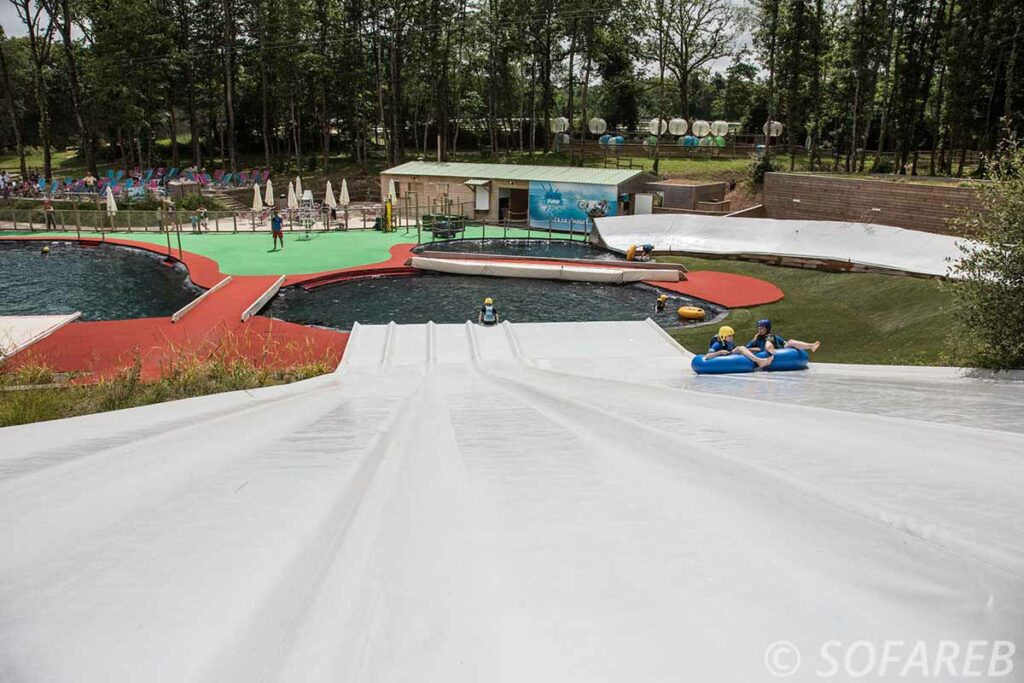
989	302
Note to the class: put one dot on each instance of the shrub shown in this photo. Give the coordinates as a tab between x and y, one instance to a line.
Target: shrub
759	166
989	301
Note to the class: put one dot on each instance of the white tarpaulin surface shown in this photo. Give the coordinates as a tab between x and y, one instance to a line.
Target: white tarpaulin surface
539	271
866	244
18	332
531	502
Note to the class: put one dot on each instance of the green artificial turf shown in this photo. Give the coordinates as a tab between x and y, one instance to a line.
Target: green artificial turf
249	253
859	317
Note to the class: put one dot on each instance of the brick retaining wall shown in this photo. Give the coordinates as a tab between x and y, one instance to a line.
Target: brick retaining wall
923	207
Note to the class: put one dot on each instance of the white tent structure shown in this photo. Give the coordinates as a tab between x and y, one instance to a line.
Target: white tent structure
530	502
872	246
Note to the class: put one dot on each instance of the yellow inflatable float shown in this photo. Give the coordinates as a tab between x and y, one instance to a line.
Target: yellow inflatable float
690	313
631	253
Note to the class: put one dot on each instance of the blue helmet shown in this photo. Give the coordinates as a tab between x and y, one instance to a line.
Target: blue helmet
765	323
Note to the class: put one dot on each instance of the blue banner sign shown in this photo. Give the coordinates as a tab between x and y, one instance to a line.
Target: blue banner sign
565	206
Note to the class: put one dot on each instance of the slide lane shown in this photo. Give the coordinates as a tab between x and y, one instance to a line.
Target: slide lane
482	516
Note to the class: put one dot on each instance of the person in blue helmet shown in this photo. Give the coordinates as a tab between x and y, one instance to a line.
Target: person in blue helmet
769	342
723	344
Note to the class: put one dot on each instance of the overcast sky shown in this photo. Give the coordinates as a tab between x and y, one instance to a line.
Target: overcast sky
9	19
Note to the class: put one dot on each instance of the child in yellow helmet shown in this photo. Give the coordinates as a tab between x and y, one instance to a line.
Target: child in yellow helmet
488	313
723	344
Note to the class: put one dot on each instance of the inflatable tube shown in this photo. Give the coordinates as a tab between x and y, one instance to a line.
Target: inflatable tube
631	253
785	359
691	313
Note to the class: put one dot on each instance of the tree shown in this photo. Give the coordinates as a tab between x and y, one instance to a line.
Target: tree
40	35
989	300
12	108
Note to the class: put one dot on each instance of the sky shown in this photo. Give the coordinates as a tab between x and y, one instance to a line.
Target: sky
10	21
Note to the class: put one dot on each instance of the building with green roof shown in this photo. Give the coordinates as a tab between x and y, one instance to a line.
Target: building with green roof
555	197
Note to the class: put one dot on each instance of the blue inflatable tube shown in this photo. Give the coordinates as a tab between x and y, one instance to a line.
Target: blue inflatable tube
785	359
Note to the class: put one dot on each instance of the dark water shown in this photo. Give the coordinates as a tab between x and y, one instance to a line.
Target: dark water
104	283
456	298
523	247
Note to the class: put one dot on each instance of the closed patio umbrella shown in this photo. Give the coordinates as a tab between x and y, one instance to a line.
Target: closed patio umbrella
257	201
392	195
293	200
329	199
268	195
111	204
298	186
343	199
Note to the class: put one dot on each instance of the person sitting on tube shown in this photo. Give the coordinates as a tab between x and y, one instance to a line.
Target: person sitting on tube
645	252
659	305
723	344
767	341
488	313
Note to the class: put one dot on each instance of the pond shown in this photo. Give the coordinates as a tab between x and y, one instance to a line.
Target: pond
456	298
103	282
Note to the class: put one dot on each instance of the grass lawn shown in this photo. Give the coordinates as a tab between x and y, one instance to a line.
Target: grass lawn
859	317
248	253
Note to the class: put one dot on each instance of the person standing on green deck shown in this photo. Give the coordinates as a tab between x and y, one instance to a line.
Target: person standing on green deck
277	230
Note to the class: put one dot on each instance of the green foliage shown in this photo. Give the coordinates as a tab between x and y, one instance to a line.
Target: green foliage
989	302
187	377
758	167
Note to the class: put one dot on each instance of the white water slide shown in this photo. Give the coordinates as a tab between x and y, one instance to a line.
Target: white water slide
531	502
867	245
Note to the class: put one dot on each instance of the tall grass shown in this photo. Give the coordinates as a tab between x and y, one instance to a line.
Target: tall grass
28	393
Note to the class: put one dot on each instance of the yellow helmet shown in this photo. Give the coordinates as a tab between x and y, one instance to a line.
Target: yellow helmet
725	331
663	297
488	300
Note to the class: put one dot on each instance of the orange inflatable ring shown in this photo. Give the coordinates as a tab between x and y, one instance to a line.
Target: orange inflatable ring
691	313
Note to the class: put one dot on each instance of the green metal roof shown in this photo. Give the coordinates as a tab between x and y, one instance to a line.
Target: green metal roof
554	174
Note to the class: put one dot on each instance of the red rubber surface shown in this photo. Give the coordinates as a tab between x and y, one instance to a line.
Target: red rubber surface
725	289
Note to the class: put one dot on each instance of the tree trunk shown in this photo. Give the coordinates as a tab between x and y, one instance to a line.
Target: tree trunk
174	128
9	96
193	123
229	87
75	90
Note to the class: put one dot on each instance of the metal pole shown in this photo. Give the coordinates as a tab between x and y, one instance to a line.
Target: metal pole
129	214
177	225
167	233
234	222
